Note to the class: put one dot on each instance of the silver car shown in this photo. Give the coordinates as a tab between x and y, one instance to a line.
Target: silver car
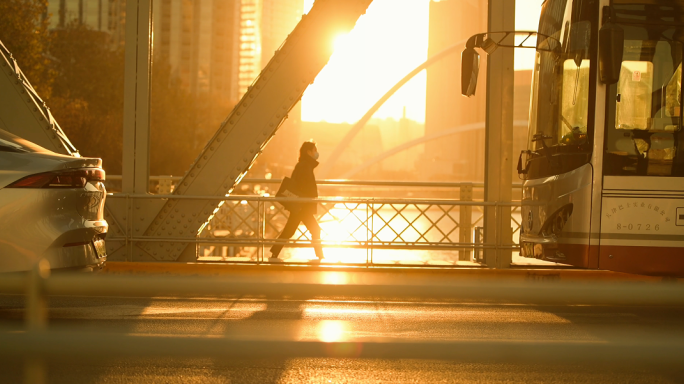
51	206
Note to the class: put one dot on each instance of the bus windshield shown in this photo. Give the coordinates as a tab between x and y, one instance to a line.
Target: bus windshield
644	129
560	128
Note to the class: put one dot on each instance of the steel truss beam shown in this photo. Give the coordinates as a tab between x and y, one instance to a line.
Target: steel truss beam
24	113
244	134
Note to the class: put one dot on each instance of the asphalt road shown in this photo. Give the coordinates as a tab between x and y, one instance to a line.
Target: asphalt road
340	319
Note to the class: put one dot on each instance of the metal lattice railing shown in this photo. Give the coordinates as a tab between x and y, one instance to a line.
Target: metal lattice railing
244	226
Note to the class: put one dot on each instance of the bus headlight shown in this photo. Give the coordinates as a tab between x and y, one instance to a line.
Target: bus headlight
555	222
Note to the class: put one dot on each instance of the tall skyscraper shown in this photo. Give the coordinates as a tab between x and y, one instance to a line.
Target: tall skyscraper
199	39
264	26
250	43
220	46
460	156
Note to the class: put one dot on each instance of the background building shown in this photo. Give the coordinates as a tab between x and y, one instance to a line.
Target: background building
206	53
460	157
264	26
402	165
219	47
199	40
366	145
216	48
100	15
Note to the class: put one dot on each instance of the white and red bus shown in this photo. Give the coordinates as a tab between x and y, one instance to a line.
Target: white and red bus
604	168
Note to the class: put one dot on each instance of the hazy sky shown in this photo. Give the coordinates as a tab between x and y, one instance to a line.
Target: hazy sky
388	42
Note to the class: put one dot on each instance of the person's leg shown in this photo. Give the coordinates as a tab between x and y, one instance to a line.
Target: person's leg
289	230
312	225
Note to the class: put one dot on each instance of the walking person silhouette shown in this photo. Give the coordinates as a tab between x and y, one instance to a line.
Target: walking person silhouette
304	185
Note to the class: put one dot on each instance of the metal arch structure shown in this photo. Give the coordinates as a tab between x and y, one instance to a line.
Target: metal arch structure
24	113
241	137
421	140
498	125
346	140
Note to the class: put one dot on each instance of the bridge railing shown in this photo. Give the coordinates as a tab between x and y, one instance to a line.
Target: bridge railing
444	227
348	188
244	227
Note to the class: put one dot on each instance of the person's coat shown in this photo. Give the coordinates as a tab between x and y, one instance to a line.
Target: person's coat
305	182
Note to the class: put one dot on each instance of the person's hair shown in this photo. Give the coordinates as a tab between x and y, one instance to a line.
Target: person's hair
306	147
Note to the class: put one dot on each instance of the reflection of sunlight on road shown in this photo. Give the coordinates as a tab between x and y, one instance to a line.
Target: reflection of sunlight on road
335	278
331	330
323	312
239	310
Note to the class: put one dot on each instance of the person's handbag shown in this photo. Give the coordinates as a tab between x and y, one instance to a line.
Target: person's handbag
286	190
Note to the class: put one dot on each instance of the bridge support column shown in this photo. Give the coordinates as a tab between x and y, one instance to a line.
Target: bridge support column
499	137
138	66
465	220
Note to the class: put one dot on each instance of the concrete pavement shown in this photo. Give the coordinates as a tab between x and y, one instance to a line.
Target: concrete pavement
475	322
339	318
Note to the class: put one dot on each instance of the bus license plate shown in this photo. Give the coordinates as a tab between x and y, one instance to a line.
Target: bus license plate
99	245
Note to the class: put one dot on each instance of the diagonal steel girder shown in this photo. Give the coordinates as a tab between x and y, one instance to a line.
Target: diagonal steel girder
24	113
249	127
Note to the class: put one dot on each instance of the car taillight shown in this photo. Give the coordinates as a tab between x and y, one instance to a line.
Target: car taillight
75	178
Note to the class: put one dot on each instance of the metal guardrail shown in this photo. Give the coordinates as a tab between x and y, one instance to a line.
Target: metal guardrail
253	222
328	182
39	283
52	344
250	220
38	343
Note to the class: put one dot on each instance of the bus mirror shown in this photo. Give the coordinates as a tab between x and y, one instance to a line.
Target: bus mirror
523	171
470	67
611	43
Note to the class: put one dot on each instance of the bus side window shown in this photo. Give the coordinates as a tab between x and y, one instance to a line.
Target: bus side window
673	98
635	89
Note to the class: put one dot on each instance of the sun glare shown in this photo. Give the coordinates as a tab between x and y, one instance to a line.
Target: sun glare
335	278
387	42
340	41
331	330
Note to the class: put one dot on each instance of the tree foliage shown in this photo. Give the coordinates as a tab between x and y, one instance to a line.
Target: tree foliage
83	84
24	31
87	99
181	123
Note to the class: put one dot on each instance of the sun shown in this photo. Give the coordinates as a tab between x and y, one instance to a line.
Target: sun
340	41
385	44
388	42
